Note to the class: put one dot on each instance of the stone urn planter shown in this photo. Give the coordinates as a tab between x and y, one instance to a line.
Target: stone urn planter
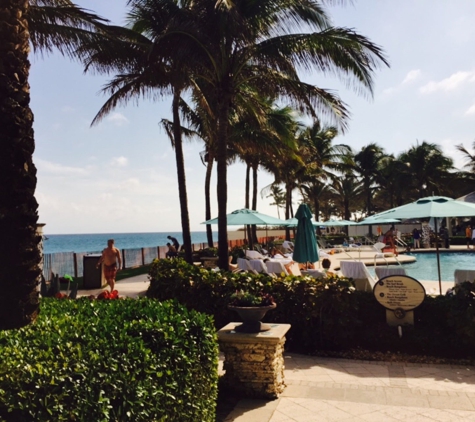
252	316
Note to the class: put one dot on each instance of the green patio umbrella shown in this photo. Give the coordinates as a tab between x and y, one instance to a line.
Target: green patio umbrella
332	222
244	216
305	249
431	206
293	222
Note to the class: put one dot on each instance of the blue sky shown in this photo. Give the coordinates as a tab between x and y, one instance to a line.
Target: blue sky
120	175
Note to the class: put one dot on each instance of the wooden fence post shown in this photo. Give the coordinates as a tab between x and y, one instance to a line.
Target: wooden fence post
143	257
123	259
75	262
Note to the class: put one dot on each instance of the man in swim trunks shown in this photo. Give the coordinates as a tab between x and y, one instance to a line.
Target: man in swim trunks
110	257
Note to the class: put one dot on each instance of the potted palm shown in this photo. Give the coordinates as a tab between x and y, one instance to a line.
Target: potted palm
251	308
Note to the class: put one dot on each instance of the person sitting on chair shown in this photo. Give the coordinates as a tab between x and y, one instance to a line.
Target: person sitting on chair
171	253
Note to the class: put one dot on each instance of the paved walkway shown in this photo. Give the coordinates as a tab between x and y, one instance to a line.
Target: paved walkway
327	389
129	287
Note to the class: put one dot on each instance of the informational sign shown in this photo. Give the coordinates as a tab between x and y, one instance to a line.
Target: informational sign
399	293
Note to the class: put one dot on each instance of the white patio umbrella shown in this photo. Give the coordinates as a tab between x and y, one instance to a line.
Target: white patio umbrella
431	206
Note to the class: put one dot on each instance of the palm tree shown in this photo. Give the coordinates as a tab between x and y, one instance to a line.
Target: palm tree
149	64
19	253
321	158
470	158
347	191
426	165
367	166
278	196
238	50
65	26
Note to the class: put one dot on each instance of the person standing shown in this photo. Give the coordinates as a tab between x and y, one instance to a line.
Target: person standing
468	235
176	245
112	261
416	237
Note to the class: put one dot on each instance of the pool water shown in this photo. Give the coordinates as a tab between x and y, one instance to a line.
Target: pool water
425	268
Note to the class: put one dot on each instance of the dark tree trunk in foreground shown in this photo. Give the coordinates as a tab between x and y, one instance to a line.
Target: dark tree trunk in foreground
19	253
222	185
180	166
254	199
209	170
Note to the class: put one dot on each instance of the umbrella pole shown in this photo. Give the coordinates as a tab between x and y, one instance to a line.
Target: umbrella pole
437	252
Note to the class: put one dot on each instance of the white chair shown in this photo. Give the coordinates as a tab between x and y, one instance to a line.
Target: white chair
243	264
254	255
464	275
387	271
359	273
314	273
276	267
258	265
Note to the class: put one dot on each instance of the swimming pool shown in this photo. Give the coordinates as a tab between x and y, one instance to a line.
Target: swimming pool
425	268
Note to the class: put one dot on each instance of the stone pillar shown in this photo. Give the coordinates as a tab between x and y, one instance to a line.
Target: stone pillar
254	363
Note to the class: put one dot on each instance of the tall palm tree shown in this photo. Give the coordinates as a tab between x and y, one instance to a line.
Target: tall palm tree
19	254
46	24
321	158
426	165
262	35
348	192
278	196
148	64
367	166
469	157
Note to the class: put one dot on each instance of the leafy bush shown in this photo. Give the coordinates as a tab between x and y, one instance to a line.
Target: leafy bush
325	314
120	360
317	309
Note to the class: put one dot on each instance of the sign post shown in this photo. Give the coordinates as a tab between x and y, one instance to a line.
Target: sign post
400	295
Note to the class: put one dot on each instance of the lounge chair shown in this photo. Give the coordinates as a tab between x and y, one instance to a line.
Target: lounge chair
387	271
464	275
356	270
254	255
276	267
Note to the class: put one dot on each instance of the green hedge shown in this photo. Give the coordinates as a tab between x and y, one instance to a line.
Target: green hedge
325	314
304	302
121	360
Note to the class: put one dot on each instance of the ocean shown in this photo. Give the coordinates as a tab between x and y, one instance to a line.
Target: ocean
96	242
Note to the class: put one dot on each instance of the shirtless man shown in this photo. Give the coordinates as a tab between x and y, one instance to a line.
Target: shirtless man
109	258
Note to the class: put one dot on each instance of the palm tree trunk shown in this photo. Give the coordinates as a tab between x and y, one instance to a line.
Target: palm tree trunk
222	185
254	199
247	199
209	171
288	200
19	253
180	168
316	205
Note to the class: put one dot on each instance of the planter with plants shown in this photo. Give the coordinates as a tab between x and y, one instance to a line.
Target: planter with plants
252	309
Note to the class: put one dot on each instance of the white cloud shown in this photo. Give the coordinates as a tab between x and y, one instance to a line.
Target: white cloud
59	169
470	110
411	76
451	83
119	162
118	119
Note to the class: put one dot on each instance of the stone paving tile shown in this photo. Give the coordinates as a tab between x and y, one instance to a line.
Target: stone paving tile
328	389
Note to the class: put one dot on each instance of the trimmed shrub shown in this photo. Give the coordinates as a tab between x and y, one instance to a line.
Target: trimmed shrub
122	360
323	308
325	314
